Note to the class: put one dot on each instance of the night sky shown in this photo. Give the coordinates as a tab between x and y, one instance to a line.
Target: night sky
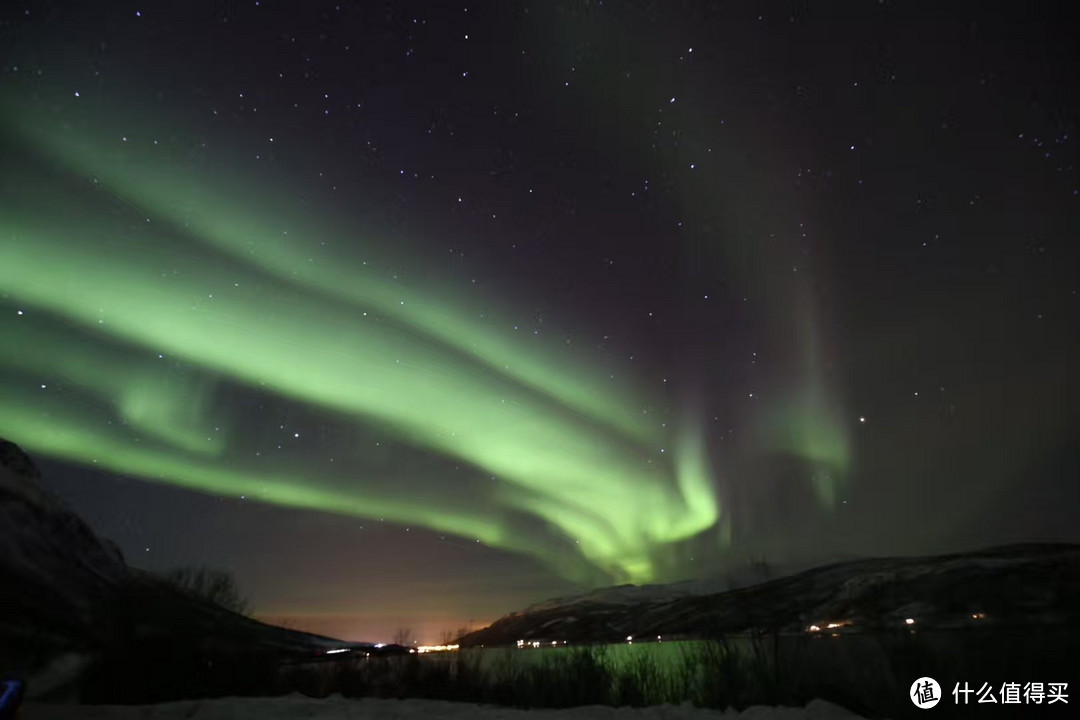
412	314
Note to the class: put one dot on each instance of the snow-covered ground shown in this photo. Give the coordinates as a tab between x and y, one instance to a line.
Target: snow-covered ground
338	708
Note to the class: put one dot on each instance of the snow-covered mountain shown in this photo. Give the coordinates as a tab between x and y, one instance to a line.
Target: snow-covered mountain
70	606
740	576
1014	585
58	576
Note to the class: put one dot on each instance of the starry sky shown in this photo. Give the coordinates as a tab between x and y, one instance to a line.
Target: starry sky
410	314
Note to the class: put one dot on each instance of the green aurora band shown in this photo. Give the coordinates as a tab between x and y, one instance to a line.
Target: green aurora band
211	282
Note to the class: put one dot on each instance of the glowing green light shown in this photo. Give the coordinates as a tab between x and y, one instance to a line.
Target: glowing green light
223	294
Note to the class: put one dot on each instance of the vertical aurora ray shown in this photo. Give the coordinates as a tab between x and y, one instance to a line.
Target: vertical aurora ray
803	416
718	164
205	290
807	423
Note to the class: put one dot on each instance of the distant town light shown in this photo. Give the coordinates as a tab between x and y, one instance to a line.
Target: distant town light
436	648
909	621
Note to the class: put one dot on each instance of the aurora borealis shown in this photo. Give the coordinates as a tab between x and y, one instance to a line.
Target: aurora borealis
538	295
565	449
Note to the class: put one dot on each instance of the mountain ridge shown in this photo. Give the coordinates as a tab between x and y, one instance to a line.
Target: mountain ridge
1032	583
75	611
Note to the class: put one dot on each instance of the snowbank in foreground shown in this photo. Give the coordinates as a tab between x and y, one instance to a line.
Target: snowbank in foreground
338	708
